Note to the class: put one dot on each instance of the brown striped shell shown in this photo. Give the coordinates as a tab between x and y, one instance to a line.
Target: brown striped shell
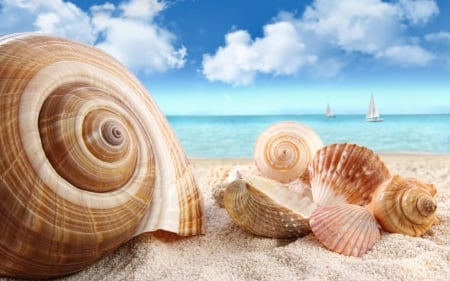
267	208
346	173
88	160
404	205
283	151
347	229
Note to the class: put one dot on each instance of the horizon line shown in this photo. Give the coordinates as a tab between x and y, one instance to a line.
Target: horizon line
293	114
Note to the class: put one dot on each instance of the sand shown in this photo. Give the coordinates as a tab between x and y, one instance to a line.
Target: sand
228	253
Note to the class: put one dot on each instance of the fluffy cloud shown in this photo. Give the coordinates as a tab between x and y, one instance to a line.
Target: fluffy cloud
322	38
441	36
281	52
126	31
418	11
130	35
52	17
407	55
354	25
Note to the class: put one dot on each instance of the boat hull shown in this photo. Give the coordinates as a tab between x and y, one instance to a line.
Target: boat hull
376	119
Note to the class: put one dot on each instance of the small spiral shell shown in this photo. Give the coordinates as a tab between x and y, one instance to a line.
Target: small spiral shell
88	161
283	151
404	205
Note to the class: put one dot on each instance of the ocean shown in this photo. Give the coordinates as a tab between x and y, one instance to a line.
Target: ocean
234	136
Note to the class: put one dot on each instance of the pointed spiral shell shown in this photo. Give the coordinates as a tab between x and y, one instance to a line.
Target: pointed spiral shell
88	161
283	151
404	205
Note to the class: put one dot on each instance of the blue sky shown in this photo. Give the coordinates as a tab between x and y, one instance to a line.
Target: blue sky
261	56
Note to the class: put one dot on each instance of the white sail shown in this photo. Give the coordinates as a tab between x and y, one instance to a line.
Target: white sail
372	112
329	112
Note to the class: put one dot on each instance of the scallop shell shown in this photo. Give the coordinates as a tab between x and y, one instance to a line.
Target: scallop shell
283	151
347	229
267	208
346	173
404	205
88	159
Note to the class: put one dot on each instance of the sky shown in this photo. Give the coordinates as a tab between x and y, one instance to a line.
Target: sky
263	56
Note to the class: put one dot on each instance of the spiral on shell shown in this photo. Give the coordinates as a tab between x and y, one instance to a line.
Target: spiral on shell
88	160
404	205
283	151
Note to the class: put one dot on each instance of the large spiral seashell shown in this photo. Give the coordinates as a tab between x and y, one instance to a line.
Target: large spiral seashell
88	161
283	151
404	205
346	173
267	208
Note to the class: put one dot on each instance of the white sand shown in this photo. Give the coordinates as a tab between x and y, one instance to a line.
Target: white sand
228	253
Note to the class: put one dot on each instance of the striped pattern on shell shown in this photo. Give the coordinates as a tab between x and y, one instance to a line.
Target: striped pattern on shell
346	173
283	151
267	208
88	160
404	205
347	229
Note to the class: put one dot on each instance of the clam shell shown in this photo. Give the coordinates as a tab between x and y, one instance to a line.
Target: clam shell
404	205
88	159
267	208
283	151
347	229
346	173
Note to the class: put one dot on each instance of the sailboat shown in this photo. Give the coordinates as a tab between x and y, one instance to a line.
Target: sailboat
372	113
329	113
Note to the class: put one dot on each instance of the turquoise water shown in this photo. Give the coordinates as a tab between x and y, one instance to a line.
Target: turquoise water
234	136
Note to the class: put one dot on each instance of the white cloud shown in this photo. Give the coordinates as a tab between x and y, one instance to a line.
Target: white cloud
441	36
353	25
280	52
407	55
133	38
418	11
323	38
127	31
145	9
230	64
53	17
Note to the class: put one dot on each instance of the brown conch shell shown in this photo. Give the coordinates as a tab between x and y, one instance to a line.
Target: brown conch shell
267	208
347	229
88	160
283	151
346	173
404	205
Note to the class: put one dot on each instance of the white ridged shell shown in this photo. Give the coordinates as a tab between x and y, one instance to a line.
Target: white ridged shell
283	151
